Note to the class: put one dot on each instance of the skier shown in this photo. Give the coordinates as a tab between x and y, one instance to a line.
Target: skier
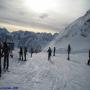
0	59
31	51
89	58
25	53
21	54
69	51
54	51
49	53
5	52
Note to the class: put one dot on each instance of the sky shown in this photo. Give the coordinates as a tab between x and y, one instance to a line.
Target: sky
41	15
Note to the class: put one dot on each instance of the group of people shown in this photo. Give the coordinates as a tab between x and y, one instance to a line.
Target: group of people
54	51
4	52
22	53
68	52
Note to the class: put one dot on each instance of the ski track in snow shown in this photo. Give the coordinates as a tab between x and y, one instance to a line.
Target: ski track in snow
37	73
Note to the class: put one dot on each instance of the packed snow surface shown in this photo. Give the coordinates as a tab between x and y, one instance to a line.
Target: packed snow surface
37	73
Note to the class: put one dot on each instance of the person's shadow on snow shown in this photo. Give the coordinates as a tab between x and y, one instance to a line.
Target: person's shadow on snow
51	62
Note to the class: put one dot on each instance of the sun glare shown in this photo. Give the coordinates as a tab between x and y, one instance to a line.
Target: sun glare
40	6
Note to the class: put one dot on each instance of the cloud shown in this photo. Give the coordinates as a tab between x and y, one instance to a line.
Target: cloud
14	12
43	16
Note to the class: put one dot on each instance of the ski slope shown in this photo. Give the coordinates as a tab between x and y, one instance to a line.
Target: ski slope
37	73
77	34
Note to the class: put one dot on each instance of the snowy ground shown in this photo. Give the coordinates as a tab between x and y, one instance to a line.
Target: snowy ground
38	73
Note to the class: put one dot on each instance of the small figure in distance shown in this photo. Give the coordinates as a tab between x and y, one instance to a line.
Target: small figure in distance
25	53
89	58
54	51
31	51
21	54
69	51
49	53
0	59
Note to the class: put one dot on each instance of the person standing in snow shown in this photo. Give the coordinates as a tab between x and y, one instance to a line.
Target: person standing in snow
49	53
21	54
5	52
69	51
25	53
0	59
31	51
89	58
54	51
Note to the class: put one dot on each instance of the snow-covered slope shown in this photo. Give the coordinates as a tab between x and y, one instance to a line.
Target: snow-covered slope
37	73
77	34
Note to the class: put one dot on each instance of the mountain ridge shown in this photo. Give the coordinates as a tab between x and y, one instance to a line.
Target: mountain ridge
77	34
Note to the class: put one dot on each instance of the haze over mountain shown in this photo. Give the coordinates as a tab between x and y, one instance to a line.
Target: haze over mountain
26	38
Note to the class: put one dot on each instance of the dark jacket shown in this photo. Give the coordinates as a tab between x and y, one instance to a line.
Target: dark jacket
6	49
89	54
49	52
0	50
69	48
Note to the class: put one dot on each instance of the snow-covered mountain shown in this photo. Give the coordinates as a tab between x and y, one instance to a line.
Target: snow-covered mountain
77	34
3	31
31	39
4	34
25	38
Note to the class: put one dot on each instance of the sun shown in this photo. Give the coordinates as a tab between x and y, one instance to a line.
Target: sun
40	6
